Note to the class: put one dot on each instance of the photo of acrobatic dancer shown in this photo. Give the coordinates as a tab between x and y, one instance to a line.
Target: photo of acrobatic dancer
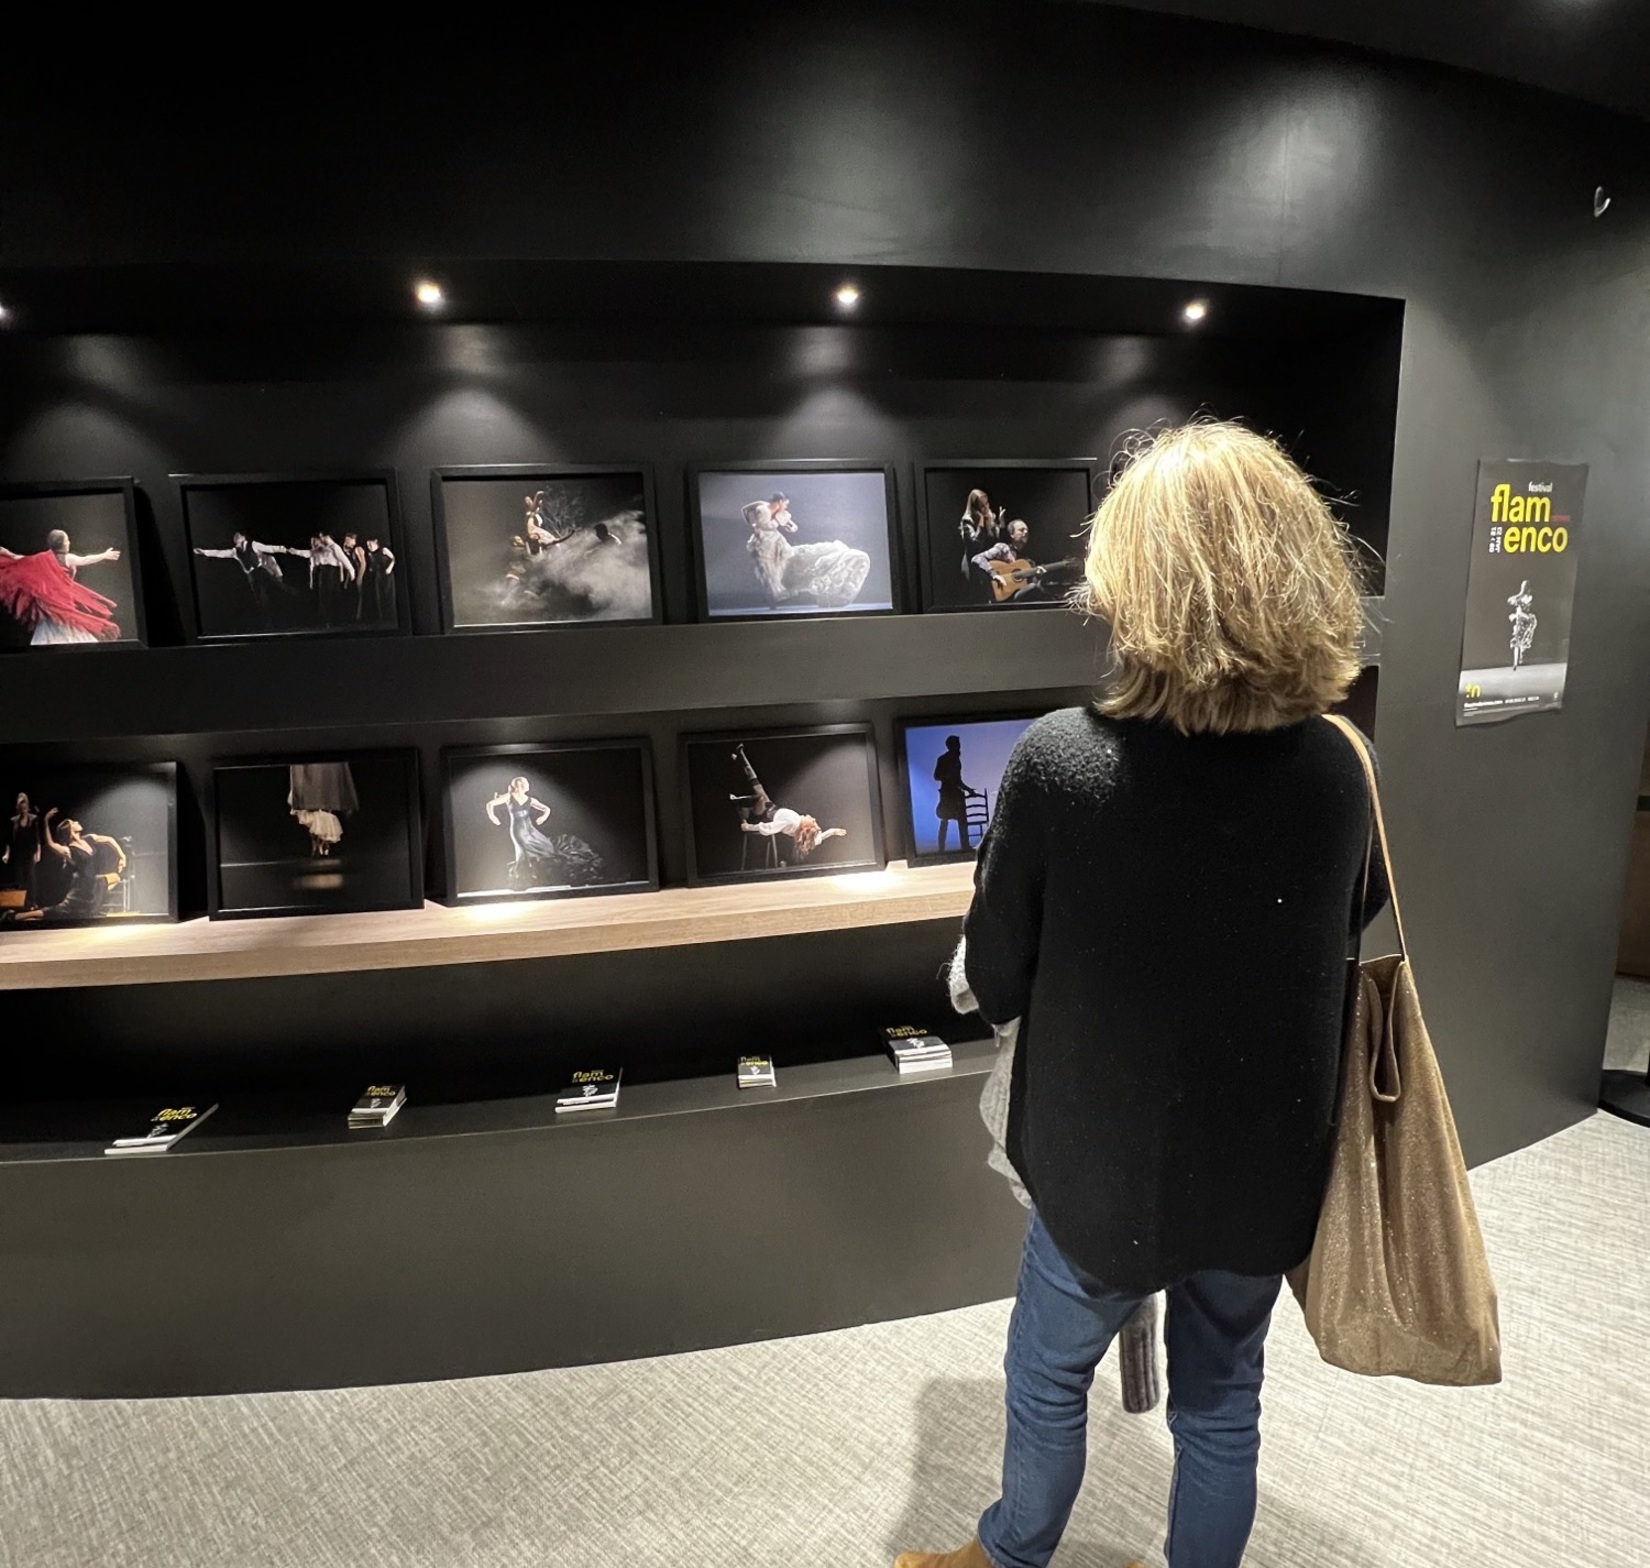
1523	623
760	814
540	861
43	594
828	572
952	806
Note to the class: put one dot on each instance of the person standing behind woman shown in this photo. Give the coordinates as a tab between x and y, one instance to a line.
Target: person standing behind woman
1165	899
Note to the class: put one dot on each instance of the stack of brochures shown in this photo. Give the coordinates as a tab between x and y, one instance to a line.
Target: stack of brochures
590	1089
378	1104
756	1072
166	1126
915	1050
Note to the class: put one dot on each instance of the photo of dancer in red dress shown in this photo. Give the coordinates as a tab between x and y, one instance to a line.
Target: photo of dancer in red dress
43	594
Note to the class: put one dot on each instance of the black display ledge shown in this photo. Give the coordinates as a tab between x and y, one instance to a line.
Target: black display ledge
594	670
253	1124
564	672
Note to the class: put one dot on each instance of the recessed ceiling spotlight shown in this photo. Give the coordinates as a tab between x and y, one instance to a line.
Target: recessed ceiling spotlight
1193	311
846	296
5	316
429	295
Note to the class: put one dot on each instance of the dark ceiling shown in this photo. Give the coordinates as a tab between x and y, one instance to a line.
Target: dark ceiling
1597	50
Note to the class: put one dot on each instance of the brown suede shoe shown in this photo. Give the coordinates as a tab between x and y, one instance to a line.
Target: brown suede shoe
970	1556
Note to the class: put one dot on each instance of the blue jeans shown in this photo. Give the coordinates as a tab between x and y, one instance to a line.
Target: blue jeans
1215	1331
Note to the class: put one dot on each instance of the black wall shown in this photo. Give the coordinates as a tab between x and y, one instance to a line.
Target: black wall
1042	138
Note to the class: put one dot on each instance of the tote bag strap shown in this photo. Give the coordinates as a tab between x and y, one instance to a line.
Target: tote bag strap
1358	744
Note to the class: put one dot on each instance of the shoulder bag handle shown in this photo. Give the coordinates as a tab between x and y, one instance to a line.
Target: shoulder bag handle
1356	740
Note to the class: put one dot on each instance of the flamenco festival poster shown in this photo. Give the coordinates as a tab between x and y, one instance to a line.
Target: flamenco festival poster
1515	643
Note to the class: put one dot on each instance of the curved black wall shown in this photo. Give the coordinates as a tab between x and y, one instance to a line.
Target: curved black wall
1064	139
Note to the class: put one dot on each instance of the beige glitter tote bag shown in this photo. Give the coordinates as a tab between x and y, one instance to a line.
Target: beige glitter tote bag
1397	1284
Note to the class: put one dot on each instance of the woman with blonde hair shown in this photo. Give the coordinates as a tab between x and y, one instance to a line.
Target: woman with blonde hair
1166	899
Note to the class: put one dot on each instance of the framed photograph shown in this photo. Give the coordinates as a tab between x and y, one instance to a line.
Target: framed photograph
276	555
69	565
551	821
1002	535
781	803
316	835
87	846
802	538
951	770
527	545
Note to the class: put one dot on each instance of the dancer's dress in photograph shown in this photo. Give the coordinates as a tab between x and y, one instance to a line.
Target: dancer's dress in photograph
541	860
42	592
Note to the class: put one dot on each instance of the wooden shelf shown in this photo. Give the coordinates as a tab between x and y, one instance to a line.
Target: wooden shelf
481	933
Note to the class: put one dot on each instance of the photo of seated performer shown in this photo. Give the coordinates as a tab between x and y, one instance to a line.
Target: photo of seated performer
758	813
1009	574
952	805
829	572
93	862
259	570
40	592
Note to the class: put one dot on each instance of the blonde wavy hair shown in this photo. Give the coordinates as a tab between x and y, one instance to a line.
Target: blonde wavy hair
1231	588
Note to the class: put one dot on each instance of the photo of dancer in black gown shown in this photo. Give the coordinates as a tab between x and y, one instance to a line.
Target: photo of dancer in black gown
526	821
541	863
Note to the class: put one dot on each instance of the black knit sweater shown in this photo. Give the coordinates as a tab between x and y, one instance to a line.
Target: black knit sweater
1170	916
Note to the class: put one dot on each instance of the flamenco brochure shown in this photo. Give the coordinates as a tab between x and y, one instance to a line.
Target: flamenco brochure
1515	638
166	1126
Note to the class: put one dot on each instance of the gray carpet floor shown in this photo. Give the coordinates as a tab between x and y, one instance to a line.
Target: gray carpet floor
837	1450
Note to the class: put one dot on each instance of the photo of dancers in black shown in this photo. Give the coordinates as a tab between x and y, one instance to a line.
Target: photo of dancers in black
317	836
272	558
808	541
1000	536
67	560
528	821
88	846
782	803
523	547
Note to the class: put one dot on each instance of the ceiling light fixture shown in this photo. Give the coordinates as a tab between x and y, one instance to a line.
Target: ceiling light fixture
429	295
1194	311
5	316
846	296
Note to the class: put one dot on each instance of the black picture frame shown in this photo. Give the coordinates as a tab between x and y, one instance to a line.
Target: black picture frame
407	895
931	527
189	485
712	795
646	817
546	473
131	557
915	855
801	468
27	776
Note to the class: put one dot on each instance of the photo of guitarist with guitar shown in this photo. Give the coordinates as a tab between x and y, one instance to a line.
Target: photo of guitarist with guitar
1010	576
1021	554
